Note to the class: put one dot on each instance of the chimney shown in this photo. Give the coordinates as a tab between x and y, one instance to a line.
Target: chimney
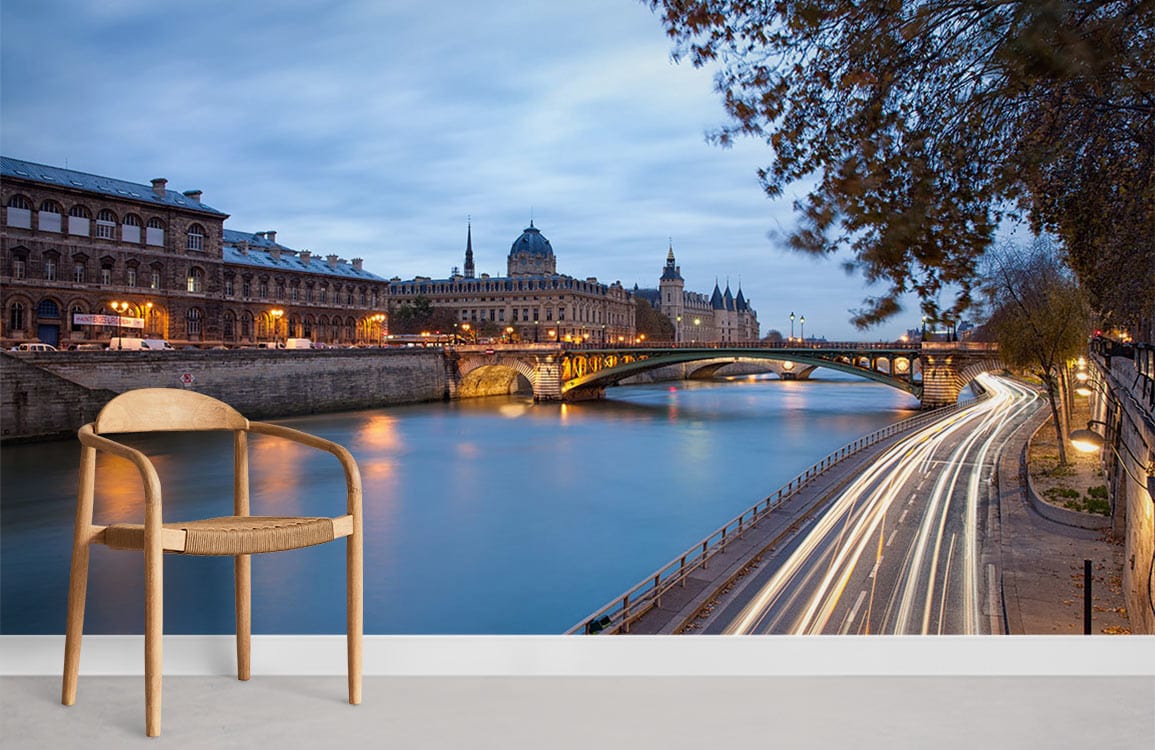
275	252
332	260
243	246
357	263
194	195
158	186
306	256
271	236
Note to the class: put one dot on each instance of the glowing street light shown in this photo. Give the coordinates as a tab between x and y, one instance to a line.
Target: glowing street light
379	319
792	326
276	314
802	321
120	308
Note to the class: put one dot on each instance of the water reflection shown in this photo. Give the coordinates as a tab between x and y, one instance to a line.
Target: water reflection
481	516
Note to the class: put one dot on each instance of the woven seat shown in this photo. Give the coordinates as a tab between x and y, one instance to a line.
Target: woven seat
239	535
231	535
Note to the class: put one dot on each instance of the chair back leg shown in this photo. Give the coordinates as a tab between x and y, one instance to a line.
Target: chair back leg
355	607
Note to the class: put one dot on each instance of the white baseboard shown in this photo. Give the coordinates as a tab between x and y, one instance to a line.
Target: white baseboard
546	656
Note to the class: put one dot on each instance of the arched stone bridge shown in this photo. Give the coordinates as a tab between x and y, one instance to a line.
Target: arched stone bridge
933	372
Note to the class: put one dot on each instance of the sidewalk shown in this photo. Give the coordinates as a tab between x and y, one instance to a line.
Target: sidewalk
1042	560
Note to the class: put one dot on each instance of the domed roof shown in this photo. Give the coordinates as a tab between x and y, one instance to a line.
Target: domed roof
532	242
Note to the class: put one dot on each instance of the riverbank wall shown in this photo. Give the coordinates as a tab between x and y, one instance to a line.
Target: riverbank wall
51	394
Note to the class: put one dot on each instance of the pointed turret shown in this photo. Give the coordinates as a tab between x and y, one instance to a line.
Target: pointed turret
740	303
469	270
728	297
672	272
717	301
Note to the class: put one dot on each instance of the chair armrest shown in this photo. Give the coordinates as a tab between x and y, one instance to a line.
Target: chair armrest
148	475
352	473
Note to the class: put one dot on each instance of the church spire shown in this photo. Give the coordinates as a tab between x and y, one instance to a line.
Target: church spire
469	248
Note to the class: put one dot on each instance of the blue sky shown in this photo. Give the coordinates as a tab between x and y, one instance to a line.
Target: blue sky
373	128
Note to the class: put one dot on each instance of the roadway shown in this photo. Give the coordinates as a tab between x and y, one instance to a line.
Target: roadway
905	549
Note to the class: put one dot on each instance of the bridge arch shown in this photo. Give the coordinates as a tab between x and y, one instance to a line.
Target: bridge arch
494	376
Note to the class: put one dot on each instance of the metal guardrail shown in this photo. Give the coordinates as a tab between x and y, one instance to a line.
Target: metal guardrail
1141	355
621	611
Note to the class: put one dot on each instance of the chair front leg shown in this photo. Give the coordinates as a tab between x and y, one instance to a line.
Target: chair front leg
243	573
153	631
74	629
355	608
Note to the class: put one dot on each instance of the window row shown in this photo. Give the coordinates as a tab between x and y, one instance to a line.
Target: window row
293	292
50	218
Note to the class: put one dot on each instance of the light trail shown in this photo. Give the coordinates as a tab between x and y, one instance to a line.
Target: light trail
939	555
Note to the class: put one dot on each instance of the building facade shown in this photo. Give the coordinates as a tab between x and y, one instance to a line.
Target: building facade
720	317
532	302
84	258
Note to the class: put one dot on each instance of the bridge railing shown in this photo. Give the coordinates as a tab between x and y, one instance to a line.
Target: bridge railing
617	615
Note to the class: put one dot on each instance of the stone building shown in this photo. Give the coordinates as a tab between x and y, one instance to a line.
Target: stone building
532	302
85	257
718	318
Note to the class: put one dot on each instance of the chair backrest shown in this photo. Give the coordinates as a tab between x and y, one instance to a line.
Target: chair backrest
165	410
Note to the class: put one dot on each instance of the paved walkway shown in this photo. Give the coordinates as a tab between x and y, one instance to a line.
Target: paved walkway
1041	561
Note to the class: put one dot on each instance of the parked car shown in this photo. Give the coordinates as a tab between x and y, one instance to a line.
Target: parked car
34	347
90	347
133	344
298	344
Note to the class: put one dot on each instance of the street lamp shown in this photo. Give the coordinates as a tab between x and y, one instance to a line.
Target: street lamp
276	313
465	332
791	325
509	334
802	322
120	308
379	319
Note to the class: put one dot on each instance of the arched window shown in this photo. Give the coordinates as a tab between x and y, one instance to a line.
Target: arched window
246	325
130	228
196	238
193	320
196	279
79	221
47	309
19	212
154	232
49	217
229	325
16	317
72	324
106	225
154	276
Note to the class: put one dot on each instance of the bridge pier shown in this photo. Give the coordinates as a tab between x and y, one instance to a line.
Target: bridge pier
941	382
547	380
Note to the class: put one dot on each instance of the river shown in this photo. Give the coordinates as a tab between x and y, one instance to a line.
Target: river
482	516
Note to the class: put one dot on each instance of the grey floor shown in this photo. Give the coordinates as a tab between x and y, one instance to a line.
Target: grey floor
590	713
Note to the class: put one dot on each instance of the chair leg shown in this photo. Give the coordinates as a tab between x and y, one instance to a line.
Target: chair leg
74	629
243	570
354	604
153	634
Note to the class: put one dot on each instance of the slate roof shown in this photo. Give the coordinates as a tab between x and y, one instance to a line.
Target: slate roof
258	256
532	242
69	178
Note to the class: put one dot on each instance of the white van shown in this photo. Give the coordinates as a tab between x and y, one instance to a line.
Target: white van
133	344
34	347
298	344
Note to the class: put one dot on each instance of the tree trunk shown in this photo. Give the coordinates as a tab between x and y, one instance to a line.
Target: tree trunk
1054	395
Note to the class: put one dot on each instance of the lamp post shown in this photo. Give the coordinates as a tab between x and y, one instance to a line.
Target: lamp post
509	334
791	327
147	317
379	319
697	322
276	313
120	308
802	322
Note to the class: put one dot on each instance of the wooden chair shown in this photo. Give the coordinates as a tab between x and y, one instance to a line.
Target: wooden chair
239	535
